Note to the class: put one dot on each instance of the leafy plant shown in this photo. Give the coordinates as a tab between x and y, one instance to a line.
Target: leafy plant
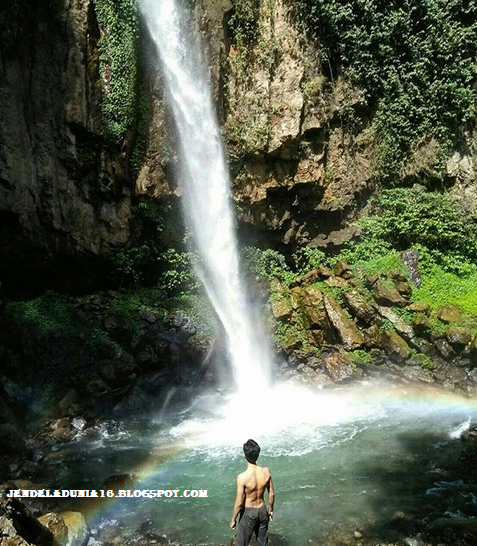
118	22
415	60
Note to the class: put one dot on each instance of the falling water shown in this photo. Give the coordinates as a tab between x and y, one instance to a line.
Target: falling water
207	199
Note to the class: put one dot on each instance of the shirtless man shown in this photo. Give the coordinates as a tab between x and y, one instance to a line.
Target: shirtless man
249	502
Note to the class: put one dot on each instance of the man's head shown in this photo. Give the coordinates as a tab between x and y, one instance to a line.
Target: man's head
251	450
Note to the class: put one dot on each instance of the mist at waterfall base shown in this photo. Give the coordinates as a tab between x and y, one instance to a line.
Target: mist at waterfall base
341	459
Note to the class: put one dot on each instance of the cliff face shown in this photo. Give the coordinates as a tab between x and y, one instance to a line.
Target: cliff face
300	138
63	189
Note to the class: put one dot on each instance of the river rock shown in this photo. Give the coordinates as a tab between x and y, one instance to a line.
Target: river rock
11	441
56	525
394	345
338	367
419	307
449	375
358	306
421	324
417	373
78	532
387	295
450	314
342	269
458	337
351	337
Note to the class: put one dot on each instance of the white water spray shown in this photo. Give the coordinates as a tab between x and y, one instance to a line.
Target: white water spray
206	199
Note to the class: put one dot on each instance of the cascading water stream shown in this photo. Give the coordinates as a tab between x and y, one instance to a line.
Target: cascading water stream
206	198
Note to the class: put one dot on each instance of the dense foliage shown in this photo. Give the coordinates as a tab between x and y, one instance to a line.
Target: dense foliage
416	61
118	21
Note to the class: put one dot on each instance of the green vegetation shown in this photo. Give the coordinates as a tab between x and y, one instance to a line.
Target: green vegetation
243	24
416	62
267	263
140	146
51	315
118	21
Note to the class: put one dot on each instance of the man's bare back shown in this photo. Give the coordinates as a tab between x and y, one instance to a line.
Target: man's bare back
254	481
250	502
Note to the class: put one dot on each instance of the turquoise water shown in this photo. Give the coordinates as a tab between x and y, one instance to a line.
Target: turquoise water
351	460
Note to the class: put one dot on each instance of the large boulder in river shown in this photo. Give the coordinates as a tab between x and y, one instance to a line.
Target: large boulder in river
349	334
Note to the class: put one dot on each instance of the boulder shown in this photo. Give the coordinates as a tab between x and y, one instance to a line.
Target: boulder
449	375
394	344
338	367
417	373
444	348
404	289
282	309
312	299
387	295
458	337
358	306
336	282
342	269
308	278
450	314
349	334
57	527
419	307
400	326
421	324
78	532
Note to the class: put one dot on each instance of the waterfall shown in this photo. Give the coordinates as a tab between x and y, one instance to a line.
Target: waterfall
206	197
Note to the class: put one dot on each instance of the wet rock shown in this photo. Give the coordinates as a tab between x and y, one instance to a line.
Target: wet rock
78	532
419	307
11	441
57	527
394	345
450	314
79	423
351	337
410	259
147	317
342	269
458	337
449	375
417	373
421	324
414	541
338	367
444	348
6	414
358	306
282	309
387	295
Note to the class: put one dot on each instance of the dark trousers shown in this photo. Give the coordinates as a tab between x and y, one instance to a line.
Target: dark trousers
253	520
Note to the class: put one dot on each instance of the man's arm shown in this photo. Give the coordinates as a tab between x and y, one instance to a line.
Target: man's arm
271	497
238	502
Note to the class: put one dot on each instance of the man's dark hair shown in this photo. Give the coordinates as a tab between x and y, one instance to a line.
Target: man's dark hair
251	450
